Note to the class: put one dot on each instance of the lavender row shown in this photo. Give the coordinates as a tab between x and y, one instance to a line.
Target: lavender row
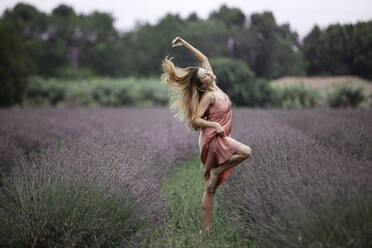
128	151
349	132
290	180
27	130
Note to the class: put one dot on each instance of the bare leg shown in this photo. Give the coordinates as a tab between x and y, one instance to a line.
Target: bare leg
216	172
208	197
207	209
234	160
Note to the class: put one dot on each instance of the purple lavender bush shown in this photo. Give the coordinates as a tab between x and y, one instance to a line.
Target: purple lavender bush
296	191
34	129
43	211
346	131
9	151
88	188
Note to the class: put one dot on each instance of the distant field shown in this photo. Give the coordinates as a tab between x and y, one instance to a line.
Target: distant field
324	84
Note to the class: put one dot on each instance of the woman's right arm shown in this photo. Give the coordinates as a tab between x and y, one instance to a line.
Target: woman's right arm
205	101
199	122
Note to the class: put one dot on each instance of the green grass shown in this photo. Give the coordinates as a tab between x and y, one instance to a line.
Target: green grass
183	190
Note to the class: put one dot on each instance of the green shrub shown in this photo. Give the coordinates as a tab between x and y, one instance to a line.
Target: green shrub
298	96
42	91
68	72
97	91
255	94
105	95
346	96
231	73
240	83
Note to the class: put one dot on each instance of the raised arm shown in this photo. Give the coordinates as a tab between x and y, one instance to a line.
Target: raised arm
200	57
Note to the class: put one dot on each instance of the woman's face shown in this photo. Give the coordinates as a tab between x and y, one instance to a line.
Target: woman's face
206	77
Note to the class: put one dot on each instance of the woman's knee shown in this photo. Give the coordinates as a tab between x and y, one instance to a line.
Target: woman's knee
207	201
207	193
244	151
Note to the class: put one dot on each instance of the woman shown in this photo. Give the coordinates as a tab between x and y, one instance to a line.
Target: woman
205	106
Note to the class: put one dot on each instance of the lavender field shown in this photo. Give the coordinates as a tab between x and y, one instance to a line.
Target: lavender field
91	177
122	152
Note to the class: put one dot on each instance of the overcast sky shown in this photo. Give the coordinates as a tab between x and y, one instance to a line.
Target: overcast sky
302	15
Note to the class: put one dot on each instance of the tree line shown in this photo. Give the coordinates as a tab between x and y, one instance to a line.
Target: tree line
66	44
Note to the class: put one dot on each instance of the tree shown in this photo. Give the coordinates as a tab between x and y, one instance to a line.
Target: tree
28	21
230	16
270	50
99	46
313	52
15	65
339	50
362	49
31	26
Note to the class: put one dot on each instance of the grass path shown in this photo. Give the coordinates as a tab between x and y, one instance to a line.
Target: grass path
183	190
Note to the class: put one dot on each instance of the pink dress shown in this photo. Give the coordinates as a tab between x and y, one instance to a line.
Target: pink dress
216	149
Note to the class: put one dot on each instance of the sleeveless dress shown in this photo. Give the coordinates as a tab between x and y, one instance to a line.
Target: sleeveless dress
216	149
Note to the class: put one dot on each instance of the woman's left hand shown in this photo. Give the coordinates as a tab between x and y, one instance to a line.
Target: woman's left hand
178	41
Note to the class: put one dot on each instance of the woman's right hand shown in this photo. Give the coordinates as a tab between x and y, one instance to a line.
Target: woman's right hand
220	129
178	41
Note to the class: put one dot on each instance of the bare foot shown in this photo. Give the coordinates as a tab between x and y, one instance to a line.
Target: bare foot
212	181
204	231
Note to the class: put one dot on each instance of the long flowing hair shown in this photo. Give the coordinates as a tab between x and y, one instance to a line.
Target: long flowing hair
186	91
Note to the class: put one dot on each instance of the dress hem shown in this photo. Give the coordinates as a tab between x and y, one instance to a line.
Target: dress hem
223	177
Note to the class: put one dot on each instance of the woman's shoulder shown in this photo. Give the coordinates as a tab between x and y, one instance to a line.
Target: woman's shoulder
220	90
210	94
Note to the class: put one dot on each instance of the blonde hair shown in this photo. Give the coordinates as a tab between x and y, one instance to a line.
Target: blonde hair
185	91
